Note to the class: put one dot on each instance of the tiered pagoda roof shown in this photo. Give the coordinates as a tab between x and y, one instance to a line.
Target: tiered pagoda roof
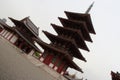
74	34
65	54
81	26
70	37
81	17
67	43
115	76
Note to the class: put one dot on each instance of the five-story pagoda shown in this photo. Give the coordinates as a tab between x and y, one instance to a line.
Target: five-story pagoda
65	45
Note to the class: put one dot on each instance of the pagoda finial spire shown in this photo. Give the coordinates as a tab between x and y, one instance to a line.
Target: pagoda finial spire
88	10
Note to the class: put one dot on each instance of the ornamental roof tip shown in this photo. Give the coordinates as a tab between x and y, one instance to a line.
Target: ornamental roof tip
81	17
90	7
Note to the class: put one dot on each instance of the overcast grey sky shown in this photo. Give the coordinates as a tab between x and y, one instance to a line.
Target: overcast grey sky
104	54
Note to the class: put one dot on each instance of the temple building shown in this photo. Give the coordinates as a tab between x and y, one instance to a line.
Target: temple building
65	45
21	34
115	76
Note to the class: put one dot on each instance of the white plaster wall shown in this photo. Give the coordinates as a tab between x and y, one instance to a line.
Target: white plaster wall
4	33
9	36
13	39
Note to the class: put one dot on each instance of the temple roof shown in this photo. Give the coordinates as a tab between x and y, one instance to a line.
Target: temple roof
4	25
56	50
28	23
29	42
81	17
77	35
115	76
13	29
81	26
71	45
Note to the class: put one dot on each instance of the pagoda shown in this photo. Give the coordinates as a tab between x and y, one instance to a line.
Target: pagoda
64	46
115	76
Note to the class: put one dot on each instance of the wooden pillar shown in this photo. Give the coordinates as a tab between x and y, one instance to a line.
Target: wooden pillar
60	68
48	59
7	34
4	33
56	62
1	30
